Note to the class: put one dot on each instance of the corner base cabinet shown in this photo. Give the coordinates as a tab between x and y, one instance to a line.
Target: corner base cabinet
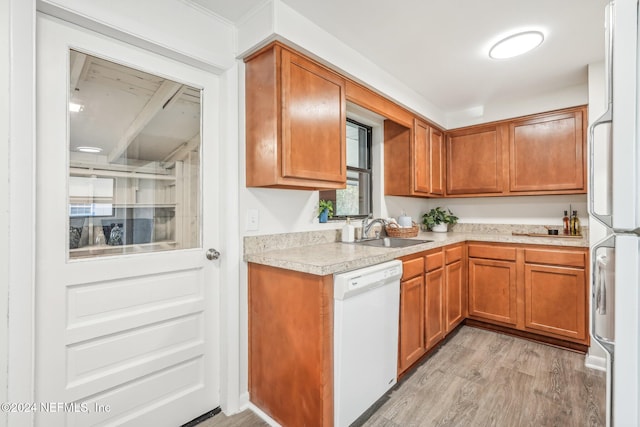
291	345
534	289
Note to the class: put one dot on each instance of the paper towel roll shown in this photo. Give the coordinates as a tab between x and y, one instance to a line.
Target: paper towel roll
404	221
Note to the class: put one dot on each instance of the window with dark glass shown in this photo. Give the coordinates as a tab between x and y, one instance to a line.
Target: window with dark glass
355	200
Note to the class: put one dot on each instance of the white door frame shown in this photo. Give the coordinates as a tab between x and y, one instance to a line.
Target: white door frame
20	262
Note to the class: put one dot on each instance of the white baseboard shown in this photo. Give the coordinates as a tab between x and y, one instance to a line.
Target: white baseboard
243	401
266	418
595	362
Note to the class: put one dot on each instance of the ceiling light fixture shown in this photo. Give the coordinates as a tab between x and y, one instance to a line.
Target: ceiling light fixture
516	44
75	108
92	150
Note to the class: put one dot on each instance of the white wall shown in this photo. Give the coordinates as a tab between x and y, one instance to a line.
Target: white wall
177	28
4	199
534	210
277	20
509	108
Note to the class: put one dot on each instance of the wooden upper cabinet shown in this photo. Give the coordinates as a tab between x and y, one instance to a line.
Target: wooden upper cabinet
474	162
421	158
538	154
414	160
295	122
547	153
437	161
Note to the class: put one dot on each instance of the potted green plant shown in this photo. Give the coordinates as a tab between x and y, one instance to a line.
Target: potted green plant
325	210
438	220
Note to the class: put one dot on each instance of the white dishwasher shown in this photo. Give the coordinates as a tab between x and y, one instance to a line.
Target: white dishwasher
365	355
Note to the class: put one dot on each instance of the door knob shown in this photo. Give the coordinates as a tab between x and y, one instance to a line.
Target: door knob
212	254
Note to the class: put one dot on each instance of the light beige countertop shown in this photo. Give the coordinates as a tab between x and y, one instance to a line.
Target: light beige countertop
320	257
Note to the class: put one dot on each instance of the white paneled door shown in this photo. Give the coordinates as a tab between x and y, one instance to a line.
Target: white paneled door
127	318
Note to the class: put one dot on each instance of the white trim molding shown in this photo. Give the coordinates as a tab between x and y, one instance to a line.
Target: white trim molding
22	251
595	362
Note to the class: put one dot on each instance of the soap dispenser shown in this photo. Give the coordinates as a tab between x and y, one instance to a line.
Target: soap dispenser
348	232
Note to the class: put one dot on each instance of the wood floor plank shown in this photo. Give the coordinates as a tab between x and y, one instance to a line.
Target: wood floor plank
245	418
483	378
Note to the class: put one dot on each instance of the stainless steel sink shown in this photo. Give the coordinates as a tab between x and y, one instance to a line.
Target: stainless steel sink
391	242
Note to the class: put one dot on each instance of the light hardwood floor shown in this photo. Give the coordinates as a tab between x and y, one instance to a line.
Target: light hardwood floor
482	378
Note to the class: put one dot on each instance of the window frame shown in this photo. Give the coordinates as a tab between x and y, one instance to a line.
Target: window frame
368	171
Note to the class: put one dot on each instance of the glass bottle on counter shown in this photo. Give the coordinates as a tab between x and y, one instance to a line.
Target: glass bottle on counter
575	224
565	224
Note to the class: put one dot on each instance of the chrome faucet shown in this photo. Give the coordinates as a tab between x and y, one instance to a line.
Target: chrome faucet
366	225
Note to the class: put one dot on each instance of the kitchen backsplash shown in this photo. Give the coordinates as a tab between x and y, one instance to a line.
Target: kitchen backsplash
270	242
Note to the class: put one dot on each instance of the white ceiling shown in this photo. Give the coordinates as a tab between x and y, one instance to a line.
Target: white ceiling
232	10
439	48
120	105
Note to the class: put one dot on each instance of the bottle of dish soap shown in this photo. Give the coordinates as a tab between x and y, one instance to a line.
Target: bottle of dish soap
348	232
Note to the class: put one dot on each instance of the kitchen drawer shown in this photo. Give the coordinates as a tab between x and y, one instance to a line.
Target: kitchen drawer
453	254
412	268
555	257
492	252
434	260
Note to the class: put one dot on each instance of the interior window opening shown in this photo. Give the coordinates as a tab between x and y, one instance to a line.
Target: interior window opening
355	200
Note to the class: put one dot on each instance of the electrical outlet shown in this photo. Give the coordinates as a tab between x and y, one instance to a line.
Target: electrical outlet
253	220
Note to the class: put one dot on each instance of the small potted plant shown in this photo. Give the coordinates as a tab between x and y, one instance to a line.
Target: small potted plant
325	210
438	220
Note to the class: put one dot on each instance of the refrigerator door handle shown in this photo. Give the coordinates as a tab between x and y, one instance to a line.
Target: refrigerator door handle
606	118
601	285
608	242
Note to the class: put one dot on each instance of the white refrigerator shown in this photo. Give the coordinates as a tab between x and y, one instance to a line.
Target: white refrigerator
614	202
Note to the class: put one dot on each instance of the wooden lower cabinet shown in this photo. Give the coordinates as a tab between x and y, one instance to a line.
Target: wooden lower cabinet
556	300
432	300
456	294
492	290
291	345
434	308
411	340
534	289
